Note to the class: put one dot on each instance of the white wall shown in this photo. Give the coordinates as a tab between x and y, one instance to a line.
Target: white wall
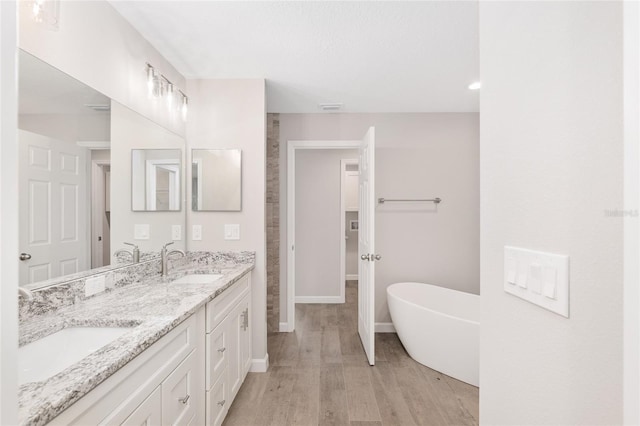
631	203
68	127
232	114
130	130
96	45
8	215
551	164
417	156
318	222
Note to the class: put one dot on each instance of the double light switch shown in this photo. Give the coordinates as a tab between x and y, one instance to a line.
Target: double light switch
538	277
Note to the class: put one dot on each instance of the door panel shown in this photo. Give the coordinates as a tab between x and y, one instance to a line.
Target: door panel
366	246
53	209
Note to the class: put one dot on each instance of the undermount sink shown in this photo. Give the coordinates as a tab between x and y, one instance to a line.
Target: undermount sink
197	279
50	355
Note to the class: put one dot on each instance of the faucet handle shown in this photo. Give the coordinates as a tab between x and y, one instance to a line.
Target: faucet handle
168	244
135	246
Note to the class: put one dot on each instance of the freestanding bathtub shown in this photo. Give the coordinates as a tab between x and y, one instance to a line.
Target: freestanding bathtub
438	327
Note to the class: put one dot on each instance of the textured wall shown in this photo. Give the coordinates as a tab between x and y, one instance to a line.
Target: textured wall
273	222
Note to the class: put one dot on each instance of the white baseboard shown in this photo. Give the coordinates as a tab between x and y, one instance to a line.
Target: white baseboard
385	327
284	327
260	365
319	299
352	277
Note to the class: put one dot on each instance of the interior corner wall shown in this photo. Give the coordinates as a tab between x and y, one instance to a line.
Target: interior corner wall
418	155
552	180
97	46
9	246
231	114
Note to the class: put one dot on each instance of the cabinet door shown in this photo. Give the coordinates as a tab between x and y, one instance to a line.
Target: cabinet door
245	336
179	393
217	353
234	373
217	403
148	413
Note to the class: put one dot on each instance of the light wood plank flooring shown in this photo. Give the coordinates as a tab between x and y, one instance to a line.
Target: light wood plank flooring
319	375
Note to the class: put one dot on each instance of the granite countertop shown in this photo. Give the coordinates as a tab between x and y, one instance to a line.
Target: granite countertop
151	308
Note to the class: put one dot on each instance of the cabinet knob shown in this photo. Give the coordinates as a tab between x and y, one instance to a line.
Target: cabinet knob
221	403
221	350
185	399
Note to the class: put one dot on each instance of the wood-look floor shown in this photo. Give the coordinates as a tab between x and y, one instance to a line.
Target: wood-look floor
319	375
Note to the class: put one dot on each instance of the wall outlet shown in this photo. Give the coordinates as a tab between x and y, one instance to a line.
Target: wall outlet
231	232
94	285
141	232
176	232
196	232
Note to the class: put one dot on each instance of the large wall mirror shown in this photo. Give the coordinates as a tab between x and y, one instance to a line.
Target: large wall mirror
72	145
216	180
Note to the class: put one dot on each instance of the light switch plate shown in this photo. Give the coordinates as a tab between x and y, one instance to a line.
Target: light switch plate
94	285
176	232
141	232
232	232
196	232
541	278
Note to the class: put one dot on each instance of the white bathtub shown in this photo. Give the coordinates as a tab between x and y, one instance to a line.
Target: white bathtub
438	327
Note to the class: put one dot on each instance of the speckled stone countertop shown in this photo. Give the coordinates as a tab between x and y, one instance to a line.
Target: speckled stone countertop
152	308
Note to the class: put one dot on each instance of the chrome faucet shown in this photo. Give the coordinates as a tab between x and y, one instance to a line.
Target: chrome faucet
27	294
134	253
164	256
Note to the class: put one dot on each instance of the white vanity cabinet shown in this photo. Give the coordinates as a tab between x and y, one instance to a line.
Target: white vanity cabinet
188	377
228	348
162	385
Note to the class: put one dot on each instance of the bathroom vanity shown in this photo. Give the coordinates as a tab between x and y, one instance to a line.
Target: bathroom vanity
181	357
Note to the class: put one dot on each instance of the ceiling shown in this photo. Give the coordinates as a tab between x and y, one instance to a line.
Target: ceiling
370	56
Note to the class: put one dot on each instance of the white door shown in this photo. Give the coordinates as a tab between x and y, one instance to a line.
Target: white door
366	246
53	208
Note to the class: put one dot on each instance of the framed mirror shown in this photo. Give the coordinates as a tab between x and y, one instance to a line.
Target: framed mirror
216	180
156	179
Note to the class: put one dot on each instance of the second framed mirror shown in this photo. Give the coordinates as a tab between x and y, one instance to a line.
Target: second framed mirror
216	180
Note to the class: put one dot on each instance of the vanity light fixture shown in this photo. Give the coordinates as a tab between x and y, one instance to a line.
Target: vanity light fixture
475	86
46	12
160	86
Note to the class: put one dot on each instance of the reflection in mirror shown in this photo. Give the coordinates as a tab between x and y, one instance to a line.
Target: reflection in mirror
64	168
216	180
155	179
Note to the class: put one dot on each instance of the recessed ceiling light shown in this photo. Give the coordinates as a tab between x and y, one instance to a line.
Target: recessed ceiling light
330	107
475	85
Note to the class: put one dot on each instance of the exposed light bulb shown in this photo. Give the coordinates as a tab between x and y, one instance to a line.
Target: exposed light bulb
169	93
475	86
185	106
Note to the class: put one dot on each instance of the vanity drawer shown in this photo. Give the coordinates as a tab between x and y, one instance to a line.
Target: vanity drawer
179	393
217	353
219	307
217	403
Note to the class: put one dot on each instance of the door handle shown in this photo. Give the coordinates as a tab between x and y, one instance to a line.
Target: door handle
25	256
378	257
365	257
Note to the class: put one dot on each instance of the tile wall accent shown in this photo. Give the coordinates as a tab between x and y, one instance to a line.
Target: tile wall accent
273	222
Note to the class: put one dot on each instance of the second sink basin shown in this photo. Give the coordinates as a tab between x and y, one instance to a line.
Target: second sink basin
50	355
197	279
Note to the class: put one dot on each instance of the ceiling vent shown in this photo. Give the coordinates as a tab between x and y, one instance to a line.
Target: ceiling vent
99	107
330	107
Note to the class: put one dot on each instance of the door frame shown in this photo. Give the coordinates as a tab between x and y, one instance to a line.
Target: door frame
292	147
343	224
98	205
